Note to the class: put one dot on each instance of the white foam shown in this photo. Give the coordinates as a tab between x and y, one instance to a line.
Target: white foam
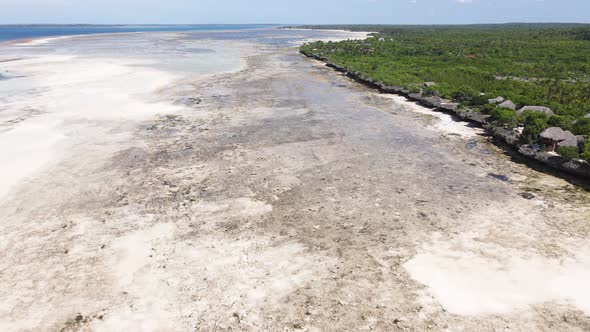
42	41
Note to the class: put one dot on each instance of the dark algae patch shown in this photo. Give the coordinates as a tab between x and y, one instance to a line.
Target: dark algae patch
500	177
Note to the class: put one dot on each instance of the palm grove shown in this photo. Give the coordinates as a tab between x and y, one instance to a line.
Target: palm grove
546	65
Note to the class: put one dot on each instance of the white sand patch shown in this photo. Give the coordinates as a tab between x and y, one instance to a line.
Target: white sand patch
135	250
136	273
445	122
249	207
24	150
469	278
338	35
92	88
171	283
242	207
69	91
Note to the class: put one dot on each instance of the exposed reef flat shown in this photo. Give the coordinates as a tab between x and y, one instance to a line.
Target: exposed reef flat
287	198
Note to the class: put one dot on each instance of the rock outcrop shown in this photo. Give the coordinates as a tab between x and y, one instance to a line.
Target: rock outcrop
449	107
505	135
573	166
431	102
414	96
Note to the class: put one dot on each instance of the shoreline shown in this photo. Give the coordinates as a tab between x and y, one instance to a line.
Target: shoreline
269	201
39	41
503	138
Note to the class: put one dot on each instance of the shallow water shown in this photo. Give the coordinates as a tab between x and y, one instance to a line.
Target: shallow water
107	77
14	32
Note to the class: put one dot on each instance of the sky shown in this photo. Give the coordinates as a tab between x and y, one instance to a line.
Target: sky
292	11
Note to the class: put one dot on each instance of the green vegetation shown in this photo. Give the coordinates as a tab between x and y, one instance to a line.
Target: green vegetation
586	151
582	127
505	117
565	122
529	64
568	151
534	124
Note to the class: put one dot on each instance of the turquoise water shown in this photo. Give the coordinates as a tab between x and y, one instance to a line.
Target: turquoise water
15	32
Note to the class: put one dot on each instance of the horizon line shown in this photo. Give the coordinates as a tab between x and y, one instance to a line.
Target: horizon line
290	24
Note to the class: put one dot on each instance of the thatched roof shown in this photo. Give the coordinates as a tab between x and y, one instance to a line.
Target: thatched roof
496	100
508	104
562	137
542	109
569	142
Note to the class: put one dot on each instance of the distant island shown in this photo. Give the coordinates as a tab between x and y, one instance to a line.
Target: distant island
527	83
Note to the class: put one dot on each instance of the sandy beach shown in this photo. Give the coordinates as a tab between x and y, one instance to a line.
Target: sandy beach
221	181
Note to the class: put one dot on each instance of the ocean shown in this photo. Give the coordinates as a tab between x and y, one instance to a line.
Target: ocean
16	32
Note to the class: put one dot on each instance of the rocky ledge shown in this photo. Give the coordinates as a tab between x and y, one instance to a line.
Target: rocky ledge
576	167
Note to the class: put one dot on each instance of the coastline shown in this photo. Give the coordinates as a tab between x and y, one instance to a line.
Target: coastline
268	198
156	93
508	140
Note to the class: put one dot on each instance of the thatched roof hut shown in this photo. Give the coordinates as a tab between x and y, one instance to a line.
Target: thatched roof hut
555	133
496	100
572	141
508	104
556	136
541	109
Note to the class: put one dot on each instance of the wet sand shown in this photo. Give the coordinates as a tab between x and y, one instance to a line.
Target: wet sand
290	198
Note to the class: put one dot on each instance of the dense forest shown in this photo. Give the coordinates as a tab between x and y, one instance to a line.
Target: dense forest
529	64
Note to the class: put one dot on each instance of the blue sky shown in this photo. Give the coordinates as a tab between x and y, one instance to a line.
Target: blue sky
293	11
